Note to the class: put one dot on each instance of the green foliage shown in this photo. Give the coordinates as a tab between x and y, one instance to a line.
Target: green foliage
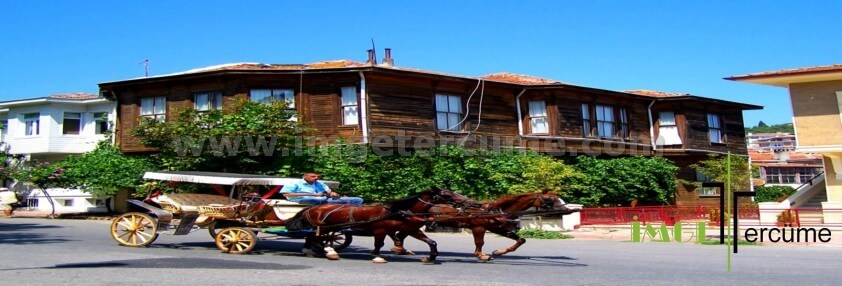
475	173
763	128
618	181
772	193
39	174
542	234
235	139
9	162
716	168
104	171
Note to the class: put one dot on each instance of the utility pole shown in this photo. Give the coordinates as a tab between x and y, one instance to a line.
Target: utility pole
145	67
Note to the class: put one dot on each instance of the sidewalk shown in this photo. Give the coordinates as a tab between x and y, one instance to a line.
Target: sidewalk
623	233
44	214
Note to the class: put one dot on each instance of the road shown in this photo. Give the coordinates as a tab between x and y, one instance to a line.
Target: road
80	252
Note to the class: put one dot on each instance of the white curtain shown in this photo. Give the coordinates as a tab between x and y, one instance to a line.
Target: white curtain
538	117
146	105
668	131
350	106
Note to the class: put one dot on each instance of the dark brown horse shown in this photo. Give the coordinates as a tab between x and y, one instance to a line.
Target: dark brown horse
498	216
380	221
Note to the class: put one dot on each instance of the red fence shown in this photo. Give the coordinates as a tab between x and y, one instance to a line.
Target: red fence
659	214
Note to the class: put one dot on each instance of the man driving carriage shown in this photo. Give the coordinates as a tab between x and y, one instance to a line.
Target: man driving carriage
312	192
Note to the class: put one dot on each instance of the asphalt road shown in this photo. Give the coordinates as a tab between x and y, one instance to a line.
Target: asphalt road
76	252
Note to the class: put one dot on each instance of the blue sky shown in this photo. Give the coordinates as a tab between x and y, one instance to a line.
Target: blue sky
676	46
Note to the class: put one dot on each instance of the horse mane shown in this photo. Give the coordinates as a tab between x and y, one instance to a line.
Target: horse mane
405	203
505	200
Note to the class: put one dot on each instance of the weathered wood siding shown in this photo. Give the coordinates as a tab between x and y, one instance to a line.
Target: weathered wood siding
691	119
317	101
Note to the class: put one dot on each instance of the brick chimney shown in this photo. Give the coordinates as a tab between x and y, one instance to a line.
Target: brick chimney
388	61
371	60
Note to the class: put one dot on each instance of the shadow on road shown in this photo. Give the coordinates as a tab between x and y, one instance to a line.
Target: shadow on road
5	227
22	234
180	263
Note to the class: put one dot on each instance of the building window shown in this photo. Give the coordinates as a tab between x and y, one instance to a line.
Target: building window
624	123
448	112
154	108
704	191
4	130
100	122
714	128
350	106
208	101
781	175
805	174
266	96
586	121
72	123
538	117
667	129
32	122
605	121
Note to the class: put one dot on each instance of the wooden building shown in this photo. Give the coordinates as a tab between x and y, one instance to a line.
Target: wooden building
389	106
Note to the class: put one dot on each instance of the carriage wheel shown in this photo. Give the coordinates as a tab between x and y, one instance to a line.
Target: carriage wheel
335	239
236	240
217	225
134	229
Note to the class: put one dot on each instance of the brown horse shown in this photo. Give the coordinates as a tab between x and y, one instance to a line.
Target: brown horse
380	221
498	216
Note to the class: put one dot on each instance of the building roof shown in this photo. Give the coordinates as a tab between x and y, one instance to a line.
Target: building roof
686	96
501	77
655	93
75	97
519	79
785	77
761	156
783	72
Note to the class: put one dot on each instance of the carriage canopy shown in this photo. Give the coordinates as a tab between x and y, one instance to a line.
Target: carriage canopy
227	179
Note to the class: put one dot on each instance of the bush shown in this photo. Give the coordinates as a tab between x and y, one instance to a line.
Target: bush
618	181
542	234
476	173
772	193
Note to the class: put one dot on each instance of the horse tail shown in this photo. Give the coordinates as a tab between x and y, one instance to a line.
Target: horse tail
298	222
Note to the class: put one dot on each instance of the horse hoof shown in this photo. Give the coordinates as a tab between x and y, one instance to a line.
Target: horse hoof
379	260
332	256
309	253
485	257
428	260
499	252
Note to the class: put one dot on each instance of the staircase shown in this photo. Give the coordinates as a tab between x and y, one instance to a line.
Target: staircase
808	201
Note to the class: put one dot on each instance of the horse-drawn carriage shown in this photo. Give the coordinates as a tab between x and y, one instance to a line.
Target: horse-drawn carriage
233	218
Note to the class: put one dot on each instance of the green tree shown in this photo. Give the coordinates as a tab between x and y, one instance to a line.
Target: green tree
772	193
245	137
41	175
783	128
104	171
619	181
716	168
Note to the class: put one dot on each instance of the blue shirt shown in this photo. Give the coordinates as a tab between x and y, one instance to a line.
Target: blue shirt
302	187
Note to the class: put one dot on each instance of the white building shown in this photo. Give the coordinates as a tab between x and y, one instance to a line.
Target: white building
51	128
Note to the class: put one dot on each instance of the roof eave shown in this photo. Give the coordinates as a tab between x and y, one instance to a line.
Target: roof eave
743	106
218	72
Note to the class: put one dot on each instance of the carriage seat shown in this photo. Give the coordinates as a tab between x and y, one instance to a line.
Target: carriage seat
177	203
